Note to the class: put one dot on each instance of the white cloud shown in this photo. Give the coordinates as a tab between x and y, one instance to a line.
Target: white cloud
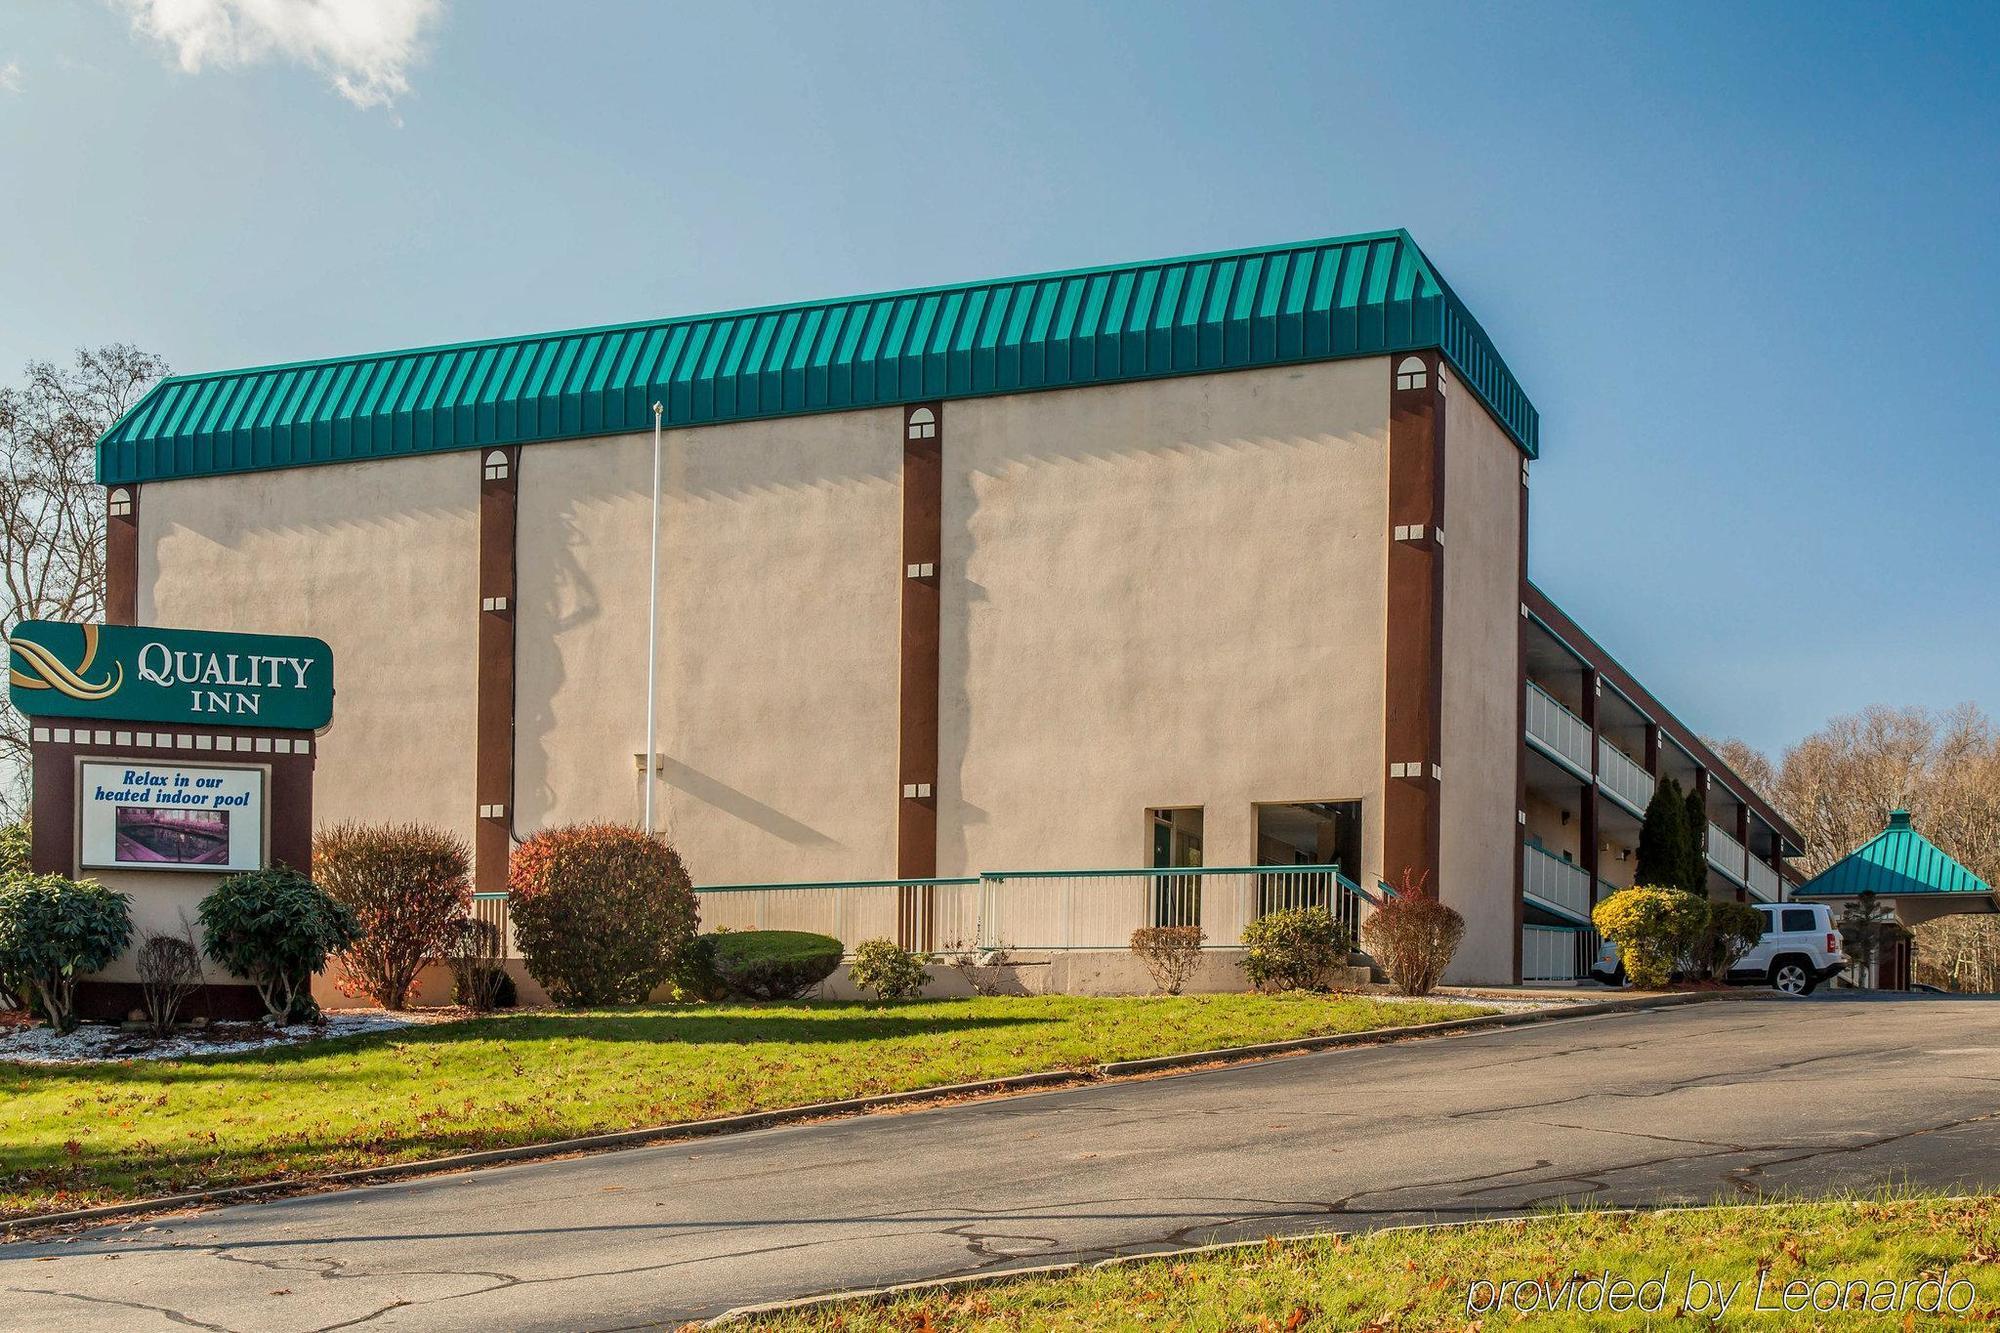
364	48
10	77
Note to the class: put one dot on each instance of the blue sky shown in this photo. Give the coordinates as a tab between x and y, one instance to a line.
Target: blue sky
1742	257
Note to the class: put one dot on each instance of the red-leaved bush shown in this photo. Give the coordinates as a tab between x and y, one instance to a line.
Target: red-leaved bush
408	886
601	912
1413	936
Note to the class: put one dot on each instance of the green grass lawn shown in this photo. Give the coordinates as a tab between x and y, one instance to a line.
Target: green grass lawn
1419	1280
76	1135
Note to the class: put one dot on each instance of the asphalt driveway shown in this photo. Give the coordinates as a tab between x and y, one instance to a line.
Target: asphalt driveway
1734	1100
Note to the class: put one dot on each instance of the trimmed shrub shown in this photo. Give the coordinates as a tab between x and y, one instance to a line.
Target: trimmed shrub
409	886
486	989
53	929
275	928
1653	929
1302	948
984	970
14	993
694	971
169	968
773	964
1170	953
601	911
888	969
1413	936
1733	930
13	849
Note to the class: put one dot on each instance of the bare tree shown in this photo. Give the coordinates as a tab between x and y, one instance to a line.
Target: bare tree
1748	762
1839	784
51	508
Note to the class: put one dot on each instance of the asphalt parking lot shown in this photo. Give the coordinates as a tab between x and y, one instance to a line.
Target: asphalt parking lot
1736	1100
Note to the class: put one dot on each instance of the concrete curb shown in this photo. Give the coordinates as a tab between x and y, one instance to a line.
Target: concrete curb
737	1124
883	1295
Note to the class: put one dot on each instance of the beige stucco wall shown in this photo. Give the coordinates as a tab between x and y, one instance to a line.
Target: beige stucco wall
164	902
1545	820
1482	728
780	613
1153	594
1160	594
1617	874
378	558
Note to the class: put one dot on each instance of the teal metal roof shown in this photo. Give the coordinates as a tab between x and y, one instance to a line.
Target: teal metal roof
1899	862
1318	300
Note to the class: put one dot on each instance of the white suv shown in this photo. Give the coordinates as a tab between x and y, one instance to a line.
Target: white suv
1799	949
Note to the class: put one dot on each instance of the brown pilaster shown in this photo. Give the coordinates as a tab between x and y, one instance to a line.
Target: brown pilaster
917	730
1653	748
1521	736
493	748
121	555
1743	836
1414	668
1701	829
1587	835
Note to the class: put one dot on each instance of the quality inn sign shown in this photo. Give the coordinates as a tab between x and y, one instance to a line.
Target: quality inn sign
136	673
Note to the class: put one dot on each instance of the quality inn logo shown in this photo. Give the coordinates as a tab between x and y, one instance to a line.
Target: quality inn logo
46	671
142	673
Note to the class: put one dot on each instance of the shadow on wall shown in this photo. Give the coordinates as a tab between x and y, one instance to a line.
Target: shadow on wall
1110	435
749	809
573	600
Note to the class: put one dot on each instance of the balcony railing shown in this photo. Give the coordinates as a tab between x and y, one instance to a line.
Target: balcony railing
1725	853
1763	881
1624	779
1557	953
1556	729
1555	881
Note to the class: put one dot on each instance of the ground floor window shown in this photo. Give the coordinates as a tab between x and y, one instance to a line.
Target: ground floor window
1176	834
1308	833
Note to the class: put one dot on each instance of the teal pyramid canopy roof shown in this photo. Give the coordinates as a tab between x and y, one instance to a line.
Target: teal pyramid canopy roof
1347	296
1897	862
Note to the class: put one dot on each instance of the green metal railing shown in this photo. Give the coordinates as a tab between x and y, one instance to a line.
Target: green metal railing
1020	909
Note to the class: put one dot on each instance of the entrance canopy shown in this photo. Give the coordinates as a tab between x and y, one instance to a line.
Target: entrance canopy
1907	872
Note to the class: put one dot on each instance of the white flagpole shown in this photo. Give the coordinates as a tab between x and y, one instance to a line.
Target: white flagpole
653	624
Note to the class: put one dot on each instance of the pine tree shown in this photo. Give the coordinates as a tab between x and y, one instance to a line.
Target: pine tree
1663	838
1695	877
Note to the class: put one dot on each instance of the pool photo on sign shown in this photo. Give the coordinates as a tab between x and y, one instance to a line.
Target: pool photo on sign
141	816
185	837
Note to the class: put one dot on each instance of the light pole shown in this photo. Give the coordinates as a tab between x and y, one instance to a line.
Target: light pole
653	624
